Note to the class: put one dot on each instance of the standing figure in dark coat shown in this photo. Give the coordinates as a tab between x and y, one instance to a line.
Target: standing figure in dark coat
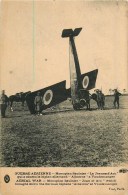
116	98
100	99
38	103
3	103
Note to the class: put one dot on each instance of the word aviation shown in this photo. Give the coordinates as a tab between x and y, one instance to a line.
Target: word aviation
79	83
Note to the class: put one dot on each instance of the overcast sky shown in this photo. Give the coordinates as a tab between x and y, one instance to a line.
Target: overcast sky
33	54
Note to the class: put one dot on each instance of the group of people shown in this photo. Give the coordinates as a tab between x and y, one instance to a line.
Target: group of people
4	102
101	99
38	101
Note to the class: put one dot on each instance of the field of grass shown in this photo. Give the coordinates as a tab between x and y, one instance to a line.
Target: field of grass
65	138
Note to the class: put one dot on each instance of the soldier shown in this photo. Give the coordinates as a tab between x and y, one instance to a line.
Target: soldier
38	103
100	99
116	98
3	103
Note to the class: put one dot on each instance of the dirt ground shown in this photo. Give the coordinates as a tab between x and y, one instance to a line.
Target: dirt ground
65	138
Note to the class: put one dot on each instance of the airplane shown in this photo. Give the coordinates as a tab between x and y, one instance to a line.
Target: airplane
80	84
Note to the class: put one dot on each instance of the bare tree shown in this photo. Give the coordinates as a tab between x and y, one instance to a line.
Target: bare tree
124	91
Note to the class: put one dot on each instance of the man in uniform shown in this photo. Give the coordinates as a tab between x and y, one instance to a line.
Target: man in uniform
38	103
116	98
100	99
3	103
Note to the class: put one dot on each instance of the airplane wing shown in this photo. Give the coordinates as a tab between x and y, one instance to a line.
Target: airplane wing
88	81
51	95
58	93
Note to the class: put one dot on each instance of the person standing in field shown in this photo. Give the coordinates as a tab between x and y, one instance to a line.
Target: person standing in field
3	103
103	100
38	103
100	100
116	98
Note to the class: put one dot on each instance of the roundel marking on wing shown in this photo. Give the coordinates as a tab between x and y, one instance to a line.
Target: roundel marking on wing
47	98
85	82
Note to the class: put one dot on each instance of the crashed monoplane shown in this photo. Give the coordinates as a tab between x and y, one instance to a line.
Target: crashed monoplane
80	84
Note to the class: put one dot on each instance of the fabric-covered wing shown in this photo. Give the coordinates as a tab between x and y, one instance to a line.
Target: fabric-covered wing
88	81
51	96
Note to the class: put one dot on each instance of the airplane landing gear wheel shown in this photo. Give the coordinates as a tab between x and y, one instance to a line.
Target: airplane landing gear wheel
76	107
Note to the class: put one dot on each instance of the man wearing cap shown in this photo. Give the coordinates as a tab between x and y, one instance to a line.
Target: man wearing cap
100	99
38	103
116	98
3	103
